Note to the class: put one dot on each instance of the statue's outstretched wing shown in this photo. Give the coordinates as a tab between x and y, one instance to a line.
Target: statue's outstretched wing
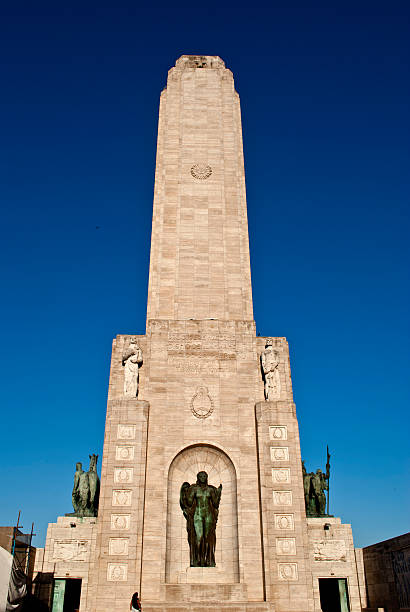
183	500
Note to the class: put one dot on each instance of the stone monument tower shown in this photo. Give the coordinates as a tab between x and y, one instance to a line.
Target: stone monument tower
199	393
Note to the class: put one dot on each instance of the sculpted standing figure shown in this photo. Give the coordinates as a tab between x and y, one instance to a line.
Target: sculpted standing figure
81	490
131	360
86	490
94	484
315	485
200	505
270	371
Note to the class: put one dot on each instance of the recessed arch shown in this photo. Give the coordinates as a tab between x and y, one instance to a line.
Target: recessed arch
220	469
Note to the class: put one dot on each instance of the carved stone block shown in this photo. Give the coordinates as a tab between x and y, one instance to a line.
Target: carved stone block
282	498
281	475
288	571
120	521
121	497
284	521
286	546
118	546
329	550
123	475
117	572
70	550
126	432
278	432
124	453
279	453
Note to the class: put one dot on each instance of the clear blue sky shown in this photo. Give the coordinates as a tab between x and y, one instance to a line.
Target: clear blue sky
324	89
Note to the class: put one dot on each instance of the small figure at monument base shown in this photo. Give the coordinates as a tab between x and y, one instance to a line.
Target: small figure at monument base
200	505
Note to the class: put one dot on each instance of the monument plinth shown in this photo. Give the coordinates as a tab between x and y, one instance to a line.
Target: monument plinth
198	394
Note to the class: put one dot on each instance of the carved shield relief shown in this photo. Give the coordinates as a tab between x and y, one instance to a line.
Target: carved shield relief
202	405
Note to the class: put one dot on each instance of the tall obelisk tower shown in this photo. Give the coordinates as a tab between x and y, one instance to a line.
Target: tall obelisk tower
199	251
200	404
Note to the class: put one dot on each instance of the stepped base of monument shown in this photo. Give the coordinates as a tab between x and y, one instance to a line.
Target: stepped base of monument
201	597
209	605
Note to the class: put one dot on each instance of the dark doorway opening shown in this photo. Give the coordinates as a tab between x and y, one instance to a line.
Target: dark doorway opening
66	595
333	595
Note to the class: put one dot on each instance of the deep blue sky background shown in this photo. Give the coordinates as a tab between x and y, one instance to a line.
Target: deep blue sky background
325	102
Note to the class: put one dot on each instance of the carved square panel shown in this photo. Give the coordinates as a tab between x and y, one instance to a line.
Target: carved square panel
288	571
284	521
126	432
118	546
286	546
124	453
329	550
123	475
117	572
279	453
282	498
278	432
281	475
120	521
70	550
121	497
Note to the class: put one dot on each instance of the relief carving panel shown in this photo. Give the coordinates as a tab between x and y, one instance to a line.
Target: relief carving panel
282	498
284	521
70	550
123	475
329	550
287	571
279	453
118	546
281	475
117	572
124	453
121	497
286	546
120	521
126	432
278	432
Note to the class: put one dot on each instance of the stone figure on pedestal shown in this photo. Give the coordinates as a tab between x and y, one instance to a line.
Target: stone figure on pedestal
200	505
131	360
86	490
270	371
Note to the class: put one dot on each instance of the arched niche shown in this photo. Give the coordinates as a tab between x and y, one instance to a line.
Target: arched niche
220	469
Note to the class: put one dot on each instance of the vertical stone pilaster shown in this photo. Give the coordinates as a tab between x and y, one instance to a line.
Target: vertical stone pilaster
285	541
116	571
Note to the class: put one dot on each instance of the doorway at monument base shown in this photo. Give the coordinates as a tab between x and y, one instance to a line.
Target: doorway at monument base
70	544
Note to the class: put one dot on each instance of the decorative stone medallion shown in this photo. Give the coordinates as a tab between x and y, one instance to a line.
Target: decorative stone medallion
201	172
278	432
123	475
281	475
279	453
202	405
120	521
288	571
118	546
284	521
286	546
282	498
126	432
117	572
121	497
124	453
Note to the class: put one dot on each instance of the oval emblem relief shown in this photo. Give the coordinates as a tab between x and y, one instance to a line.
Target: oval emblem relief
202	405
